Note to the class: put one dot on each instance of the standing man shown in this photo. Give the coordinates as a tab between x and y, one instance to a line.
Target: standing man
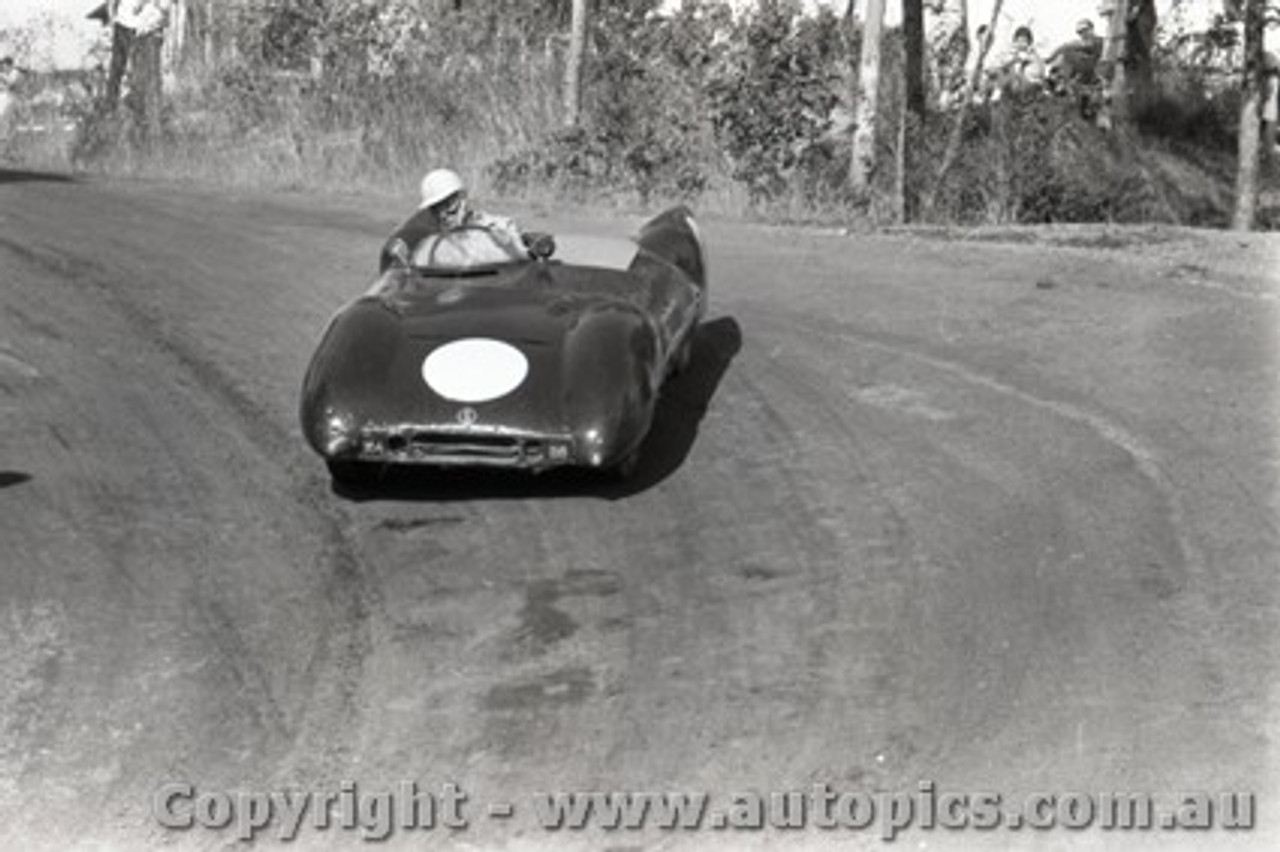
121	42
9	77
1270	104
1077	61
137	38
147	20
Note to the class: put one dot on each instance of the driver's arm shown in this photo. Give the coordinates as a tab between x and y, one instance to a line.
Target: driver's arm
539	244
399	247
506	234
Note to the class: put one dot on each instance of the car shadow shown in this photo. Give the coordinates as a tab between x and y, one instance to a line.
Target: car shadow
10	478
677	417
25	176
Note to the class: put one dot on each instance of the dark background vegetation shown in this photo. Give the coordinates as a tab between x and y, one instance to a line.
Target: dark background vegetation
741	115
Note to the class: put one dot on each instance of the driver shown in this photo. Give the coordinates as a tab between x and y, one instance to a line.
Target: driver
446	209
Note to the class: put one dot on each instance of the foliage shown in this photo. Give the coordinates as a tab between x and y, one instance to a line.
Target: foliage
1037	160
772	95
644	130
693	103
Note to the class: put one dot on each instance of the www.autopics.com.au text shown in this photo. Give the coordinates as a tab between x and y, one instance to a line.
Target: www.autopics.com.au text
407	806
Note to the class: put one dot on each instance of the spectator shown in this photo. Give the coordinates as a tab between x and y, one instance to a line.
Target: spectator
1270	103
9	76
1077	61
1021	69
146	19
121	42
1073	70
137	39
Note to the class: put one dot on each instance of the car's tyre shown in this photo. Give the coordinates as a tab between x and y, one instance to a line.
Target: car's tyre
354	473
623	470
683	356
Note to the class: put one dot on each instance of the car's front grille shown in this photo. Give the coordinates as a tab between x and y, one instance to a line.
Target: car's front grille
421	446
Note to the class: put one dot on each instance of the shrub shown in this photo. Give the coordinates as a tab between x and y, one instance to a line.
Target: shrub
772	96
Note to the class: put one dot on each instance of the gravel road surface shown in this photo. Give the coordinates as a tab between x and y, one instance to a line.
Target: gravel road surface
994	510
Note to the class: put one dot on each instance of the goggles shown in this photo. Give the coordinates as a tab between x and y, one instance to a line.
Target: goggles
450	206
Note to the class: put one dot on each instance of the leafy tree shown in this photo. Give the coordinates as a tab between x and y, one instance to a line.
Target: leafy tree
772	92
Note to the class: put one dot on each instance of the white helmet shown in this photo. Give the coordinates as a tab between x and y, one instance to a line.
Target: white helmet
439	185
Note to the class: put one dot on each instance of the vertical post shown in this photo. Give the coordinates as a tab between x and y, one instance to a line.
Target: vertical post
1270	108
912	118
867	98
1250	142
210	55
172	56
971	87
913	39
573	64
1115	111
178	35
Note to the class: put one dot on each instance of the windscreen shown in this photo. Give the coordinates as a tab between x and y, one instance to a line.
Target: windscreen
463	249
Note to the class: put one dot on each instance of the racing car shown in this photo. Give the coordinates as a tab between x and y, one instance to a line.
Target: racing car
554	359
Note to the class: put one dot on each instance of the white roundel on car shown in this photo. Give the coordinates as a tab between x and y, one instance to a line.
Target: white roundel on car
475	369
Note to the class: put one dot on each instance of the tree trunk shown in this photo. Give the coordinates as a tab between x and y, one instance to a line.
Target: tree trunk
1249	145
1115	111
573	64
146	75
947	48
913	46
1140	34
866	99
911	132
957	130
176	43
210	55
121	50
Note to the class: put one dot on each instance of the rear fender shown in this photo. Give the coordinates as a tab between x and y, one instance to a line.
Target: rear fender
674	236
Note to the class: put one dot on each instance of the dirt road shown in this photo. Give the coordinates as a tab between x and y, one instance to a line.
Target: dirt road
996	512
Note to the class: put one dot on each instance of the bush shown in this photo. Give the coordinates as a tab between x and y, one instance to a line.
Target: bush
772	97
1036	160
696	104
643	129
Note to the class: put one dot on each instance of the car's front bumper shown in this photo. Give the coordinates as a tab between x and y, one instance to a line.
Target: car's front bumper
451	446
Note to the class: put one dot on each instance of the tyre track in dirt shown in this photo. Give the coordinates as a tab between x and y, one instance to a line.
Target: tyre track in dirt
903	518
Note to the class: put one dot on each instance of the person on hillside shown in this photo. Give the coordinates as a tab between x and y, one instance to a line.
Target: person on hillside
1020	70
121	42
9	77
1270	104
1076	62
446	210
1073	70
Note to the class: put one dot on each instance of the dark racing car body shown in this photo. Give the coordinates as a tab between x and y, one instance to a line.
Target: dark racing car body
520	363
